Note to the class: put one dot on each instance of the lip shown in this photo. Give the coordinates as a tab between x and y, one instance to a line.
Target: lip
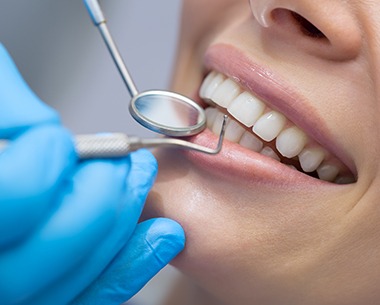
278	95
235	162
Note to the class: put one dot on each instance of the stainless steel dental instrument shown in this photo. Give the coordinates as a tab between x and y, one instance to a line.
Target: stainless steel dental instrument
165	112
161	111
116	145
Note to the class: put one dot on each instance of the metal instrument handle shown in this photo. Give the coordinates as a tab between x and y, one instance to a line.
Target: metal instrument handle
116	145
91	146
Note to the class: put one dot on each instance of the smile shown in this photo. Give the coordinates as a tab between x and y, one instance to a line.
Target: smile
257	127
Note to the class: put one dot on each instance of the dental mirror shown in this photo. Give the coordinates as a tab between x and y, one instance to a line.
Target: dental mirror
165	112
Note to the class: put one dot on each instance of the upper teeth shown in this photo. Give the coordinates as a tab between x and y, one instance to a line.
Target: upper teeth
268	125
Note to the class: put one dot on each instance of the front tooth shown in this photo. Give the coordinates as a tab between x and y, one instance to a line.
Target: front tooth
246	109
210	115
234	131
311	158
328	171
206	83
225	93
219	118
291	141
250	141
208	88
269	126
269	152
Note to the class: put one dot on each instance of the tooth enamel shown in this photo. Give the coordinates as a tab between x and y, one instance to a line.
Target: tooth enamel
269	152
328	171
217	123
345	180
211	114
249	111
246	109
234	131
206	84
225	93
250	141
311	158
269	125
291	141
214	83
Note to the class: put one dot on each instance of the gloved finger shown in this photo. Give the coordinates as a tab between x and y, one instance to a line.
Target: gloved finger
140	179
143	174
31	170
87	212
20	107
152	246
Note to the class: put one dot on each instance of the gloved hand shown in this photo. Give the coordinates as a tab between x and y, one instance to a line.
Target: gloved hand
69	228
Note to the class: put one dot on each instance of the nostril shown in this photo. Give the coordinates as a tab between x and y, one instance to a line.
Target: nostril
311	26
307	27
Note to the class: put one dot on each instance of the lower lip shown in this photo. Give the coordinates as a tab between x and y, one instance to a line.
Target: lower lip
236	163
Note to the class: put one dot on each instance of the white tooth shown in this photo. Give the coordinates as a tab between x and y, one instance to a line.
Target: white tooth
233	131
269	126
250	141
213	83
345	180
291	141
311	158
225	93
206	84
219	118
246	109
210	116
328	171
269	152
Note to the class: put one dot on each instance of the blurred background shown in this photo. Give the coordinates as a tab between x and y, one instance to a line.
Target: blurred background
63	58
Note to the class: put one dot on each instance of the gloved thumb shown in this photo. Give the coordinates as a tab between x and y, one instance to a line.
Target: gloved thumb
153	245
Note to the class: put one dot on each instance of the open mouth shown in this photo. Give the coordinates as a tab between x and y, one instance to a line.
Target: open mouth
259	128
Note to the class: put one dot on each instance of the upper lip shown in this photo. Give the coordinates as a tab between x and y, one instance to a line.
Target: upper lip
276	93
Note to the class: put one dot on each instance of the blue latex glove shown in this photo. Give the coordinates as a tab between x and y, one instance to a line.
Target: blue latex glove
68	229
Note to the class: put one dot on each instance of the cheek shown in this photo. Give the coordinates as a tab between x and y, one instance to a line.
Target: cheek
245	240
200	20
229	224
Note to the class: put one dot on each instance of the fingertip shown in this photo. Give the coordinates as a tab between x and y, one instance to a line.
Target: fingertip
143	173
166	237
153	245
144	160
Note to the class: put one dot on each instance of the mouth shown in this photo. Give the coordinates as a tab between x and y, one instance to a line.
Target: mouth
258	128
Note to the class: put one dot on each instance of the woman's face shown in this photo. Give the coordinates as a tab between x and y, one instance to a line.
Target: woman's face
289	211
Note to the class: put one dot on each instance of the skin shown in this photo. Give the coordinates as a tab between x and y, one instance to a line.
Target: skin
250	242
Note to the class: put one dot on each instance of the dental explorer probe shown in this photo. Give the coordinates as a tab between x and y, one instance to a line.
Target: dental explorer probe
116	145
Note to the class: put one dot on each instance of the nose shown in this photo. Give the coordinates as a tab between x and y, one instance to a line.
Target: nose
323	28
